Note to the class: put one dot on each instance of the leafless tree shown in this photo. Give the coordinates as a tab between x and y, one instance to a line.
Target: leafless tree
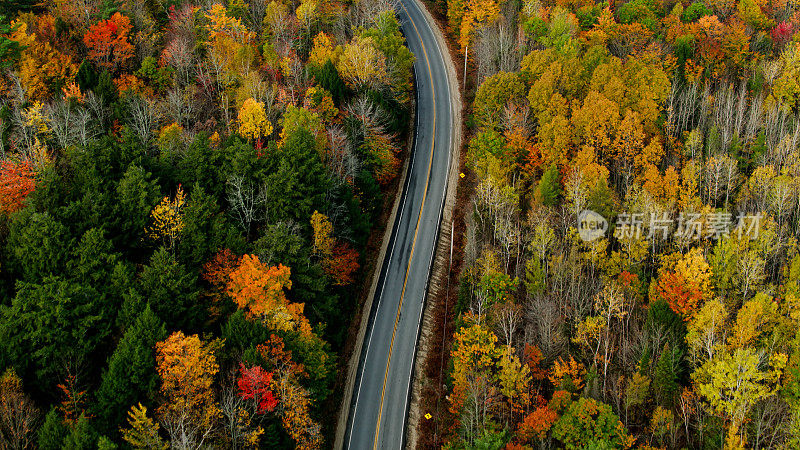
545	327
364	12
179	53
496	50
143	117
682	110
18	414
187	431
507	235
178	105
719	177
342	164
239	416
255	15
507	317
783	198
770	419
283	27
96	108
481	400
4	126
62	118
246	201
751	274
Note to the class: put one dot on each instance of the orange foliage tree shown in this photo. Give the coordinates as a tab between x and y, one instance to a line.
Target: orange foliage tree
682	296
342	264
685	282
187	367
261	291
108	43
17	180
536	424
73	400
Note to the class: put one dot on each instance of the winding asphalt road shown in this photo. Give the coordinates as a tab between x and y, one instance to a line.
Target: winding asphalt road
379	403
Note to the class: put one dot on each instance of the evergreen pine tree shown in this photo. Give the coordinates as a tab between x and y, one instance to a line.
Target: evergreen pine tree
131	375
52	431
549	186
665	380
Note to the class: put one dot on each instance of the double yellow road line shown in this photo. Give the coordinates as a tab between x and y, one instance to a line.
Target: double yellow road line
416	229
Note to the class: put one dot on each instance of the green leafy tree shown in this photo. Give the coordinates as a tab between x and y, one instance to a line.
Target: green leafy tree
50	322
534	277
9	49
389	40
82	436
205	229
590	422
298	186
38	245
665	379
136	194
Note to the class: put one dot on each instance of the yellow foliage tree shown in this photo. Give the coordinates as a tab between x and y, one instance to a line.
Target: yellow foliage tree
253	123
143	431
475	355
323	241
478	14
362	65
187	367
41	67
167	219
323	51
732	383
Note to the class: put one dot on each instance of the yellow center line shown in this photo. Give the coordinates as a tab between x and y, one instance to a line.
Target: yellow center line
416	230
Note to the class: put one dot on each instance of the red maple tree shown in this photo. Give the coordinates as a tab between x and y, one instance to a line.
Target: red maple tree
108	43
254	384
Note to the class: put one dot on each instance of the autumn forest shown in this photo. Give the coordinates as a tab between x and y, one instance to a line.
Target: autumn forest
191	191
187	190
631	269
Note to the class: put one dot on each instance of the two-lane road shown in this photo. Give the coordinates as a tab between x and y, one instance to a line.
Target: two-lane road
379	403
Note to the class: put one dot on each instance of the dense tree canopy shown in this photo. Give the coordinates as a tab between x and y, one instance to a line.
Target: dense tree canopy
619	153
160	165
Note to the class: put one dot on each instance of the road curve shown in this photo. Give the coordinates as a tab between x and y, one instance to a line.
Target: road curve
379	403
